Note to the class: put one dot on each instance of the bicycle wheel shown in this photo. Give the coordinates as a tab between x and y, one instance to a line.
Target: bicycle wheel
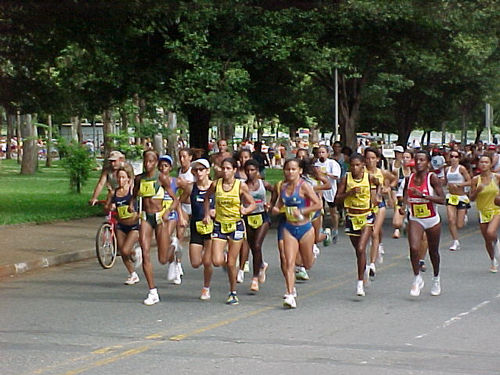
105	246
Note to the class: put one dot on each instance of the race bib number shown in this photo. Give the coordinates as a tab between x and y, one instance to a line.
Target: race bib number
147	189
453	200
203	228
421	211
289	211
228	227
255	221
123	212
358	222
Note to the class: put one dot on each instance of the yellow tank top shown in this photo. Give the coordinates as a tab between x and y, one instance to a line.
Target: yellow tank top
151	188
378	175
360	201
486	197
227	203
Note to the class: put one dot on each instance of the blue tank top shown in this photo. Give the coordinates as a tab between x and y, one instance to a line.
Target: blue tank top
173	186
197	199
294	200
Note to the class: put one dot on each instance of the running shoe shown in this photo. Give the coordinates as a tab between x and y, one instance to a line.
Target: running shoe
494	266
422	265
396	233
232	299
301	274
132	279
455	245
380	253
335	235
153	298
436	286
254	287
178	268
246	267
205	294
294	293
360	290
172	271
316	251
328	240
417	286
240	277
366	276
262	273
137	256
372	271
289	302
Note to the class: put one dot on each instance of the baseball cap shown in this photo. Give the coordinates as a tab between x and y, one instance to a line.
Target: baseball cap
115	155
203	162
166	158
399	149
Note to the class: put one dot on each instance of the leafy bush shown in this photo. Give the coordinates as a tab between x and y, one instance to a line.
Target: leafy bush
78	162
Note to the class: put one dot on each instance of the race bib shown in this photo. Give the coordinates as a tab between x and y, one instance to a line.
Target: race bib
421	211
203	228
453	200
123	212
289	211
147	189
358	222
255	221
228	227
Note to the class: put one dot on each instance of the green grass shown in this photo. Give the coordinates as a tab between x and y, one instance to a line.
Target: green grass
274	175
43	197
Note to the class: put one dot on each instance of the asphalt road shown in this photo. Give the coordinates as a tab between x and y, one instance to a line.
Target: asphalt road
80	319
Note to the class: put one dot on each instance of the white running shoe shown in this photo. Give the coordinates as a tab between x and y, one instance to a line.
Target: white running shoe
153	297
380	253
436	286
132	279
137	256
360	290
205	294
455	245
172	271
294	293
316	251
301	274
262	272
417	286
246	267
240	277
178	268
494	265
289	302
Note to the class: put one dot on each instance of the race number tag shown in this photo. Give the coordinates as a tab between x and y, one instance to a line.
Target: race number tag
421	211
203	228
453	200
289	211
255	221
147	189
123	212
228	227
358	222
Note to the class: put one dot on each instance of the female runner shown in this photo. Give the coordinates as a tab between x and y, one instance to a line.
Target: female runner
357	193
151	187
403	171
185	177
298	233
484	189
385	178
229	228
243	156
422	192
457	201
127	233
200	243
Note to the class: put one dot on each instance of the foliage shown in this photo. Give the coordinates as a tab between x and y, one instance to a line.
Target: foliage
78	163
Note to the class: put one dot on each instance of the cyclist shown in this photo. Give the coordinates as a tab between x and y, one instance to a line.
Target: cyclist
151	187
108	176
127	229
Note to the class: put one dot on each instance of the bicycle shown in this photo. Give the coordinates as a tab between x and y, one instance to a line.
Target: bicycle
106	245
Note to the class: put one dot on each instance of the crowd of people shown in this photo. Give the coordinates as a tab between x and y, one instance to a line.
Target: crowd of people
221	207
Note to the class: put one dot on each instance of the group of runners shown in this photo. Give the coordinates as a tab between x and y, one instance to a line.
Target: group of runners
227	205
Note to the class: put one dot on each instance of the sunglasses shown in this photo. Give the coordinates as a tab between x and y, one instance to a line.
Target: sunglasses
454	156
197	169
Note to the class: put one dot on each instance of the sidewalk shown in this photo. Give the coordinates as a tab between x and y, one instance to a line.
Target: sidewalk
27	247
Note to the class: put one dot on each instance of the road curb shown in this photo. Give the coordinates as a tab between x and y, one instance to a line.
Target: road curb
45	262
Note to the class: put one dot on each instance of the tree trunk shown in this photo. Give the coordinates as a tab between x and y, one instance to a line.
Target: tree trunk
137	120
314	136
30	145
172	136
11	121
124	120
19	137
79	130
75	120
422	138
443	132
199	125
349	104
48	161
107	130
465	116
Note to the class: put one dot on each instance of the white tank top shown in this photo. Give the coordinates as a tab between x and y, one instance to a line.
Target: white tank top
188	176
454	177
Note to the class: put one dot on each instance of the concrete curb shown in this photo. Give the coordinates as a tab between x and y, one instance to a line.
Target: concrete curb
44	262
